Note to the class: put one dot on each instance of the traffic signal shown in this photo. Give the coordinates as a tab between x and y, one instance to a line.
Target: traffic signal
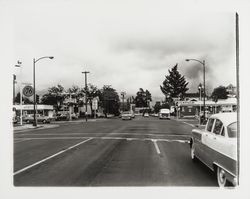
37	99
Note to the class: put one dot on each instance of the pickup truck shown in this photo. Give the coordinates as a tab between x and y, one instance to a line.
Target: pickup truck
216	147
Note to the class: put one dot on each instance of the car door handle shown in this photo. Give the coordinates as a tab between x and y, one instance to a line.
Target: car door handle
214	138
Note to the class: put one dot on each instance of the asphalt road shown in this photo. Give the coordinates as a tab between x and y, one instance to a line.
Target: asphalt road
112	152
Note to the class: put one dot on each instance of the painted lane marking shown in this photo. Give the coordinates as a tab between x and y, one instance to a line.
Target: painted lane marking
149	134
45	159
55	138
156	146
21	140
189	124
105	138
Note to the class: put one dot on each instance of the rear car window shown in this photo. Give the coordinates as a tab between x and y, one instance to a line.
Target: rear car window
217	127
232	130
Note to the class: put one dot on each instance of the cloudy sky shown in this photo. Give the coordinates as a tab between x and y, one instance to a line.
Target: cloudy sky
126	45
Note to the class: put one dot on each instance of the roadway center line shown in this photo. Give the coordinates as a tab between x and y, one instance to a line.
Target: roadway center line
156	146
45	159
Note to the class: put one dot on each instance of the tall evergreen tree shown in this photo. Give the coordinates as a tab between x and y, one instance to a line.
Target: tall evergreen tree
174	85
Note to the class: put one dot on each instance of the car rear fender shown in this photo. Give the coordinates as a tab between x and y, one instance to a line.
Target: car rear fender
229	175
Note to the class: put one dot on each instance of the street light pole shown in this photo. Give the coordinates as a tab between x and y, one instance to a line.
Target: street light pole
21	96
200	87
86	108
34	95
34	86
204	93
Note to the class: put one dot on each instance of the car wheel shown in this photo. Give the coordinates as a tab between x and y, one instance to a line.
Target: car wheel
221	177
44	121
192	153
27	121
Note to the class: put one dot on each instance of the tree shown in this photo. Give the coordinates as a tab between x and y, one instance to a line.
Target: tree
74	90
55	96
165	105
157	107
75	93
219	93
109	100
174	85
142	98
92	92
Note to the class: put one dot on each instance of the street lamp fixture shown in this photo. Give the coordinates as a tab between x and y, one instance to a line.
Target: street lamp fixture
204	93
34	84
14	81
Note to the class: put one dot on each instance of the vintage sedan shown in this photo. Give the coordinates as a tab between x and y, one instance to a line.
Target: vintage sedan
39	118
126	115
216	147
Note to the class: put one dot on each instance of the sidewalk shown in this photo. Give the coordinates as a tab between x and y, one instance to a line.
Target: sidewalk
53	124
79	120
24	127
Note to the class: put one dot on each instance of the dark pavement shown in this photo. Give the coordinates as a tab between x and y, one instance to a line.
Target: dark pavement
141	152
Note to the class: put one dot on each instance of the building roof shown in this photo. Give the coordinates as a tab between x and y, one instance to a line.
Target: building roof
31	107
196	95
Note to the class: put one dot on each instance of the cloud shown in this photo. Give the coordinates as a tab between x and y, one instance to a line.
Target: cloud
128	51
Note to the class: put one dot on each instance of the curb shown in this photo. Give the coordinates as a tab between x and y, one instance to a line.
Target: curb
34	128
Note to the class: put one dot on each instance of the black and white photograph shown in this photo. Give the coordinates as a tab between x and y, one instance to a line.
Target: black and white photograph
120	95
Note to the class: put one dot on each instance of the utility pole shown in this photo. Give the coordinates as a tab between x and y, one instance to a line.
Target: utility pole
123	94
86	108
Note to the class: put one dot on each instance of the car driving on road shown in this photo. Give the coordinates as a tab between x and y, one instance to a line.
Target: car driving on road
126	115
164	113
216	147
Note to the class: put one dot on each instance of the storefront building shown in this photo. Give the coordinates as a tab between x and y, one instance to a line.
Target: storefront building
195	108
45	110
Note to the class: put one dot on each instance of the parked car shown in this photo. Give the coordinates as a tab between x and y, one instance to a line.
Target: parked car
126	115
110	115
146	115
100	115
61	117
39	118
216	147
